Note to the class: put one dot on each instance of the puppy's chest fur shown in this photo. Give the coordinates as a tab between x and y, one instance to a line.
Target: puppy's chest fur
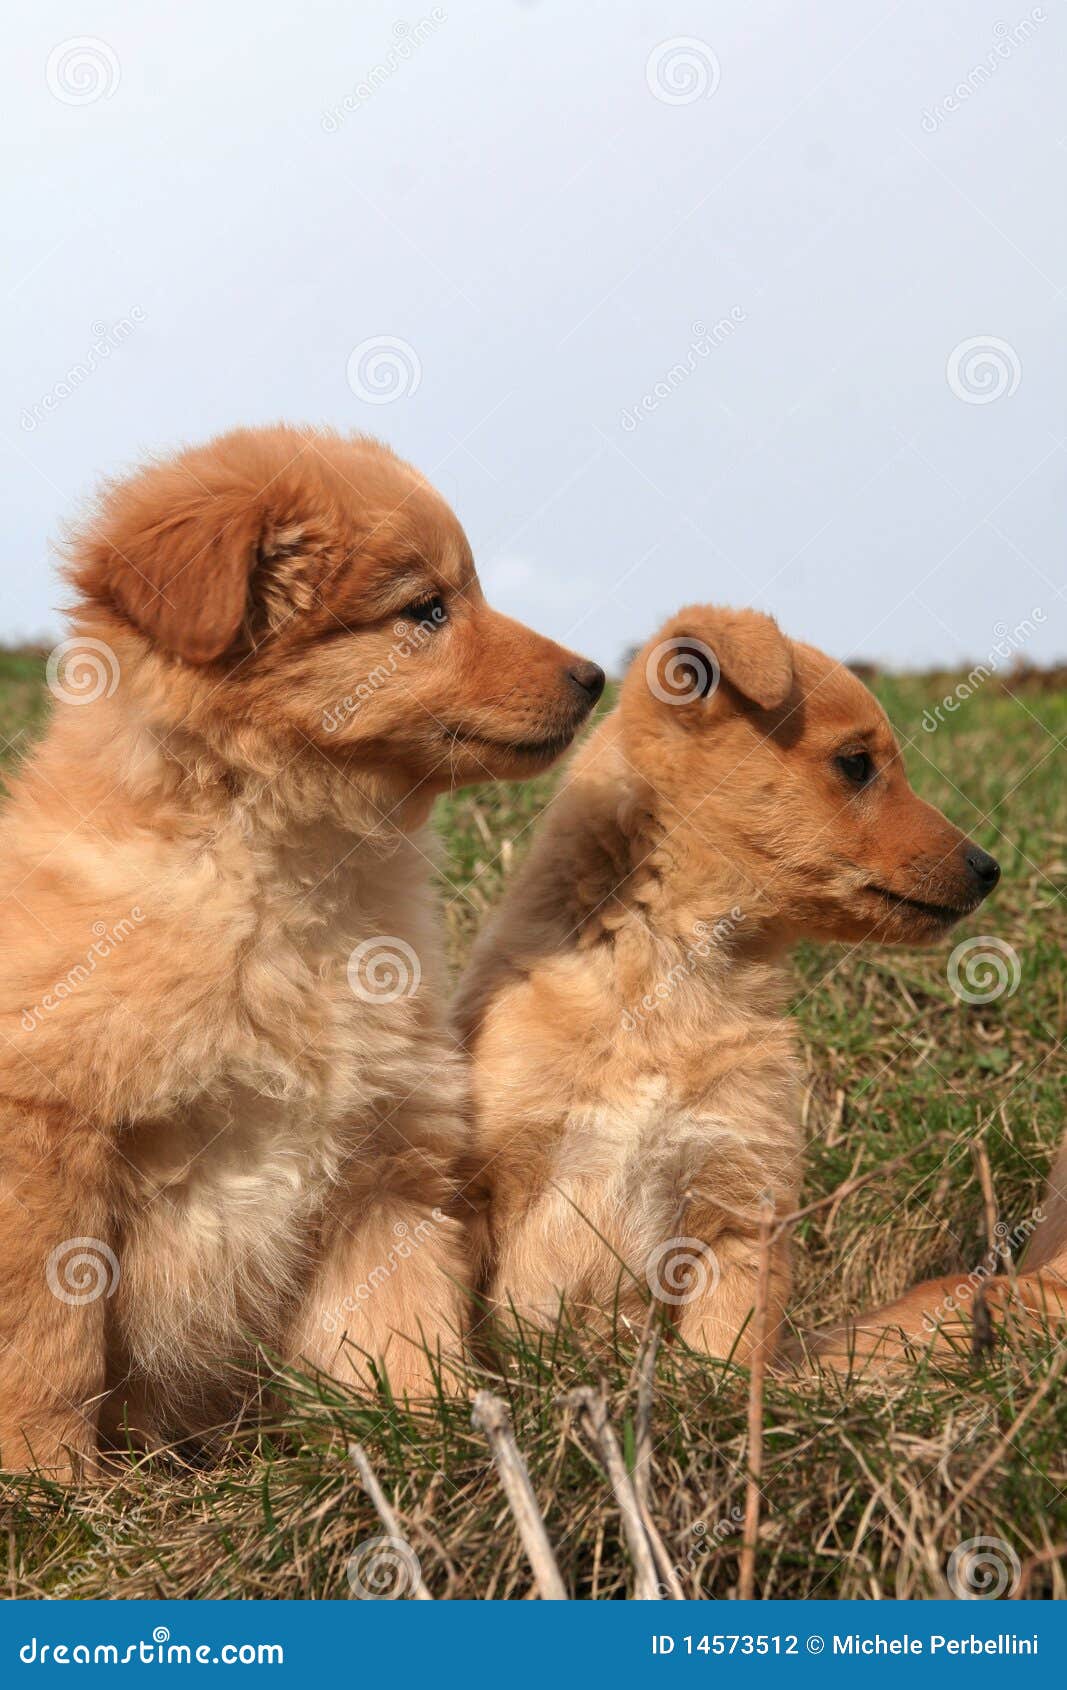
225	1188
691	1109
665	1138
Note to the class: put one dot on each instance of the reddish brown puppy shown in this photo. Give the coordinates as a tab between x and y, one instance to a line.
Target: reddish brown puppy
636	1080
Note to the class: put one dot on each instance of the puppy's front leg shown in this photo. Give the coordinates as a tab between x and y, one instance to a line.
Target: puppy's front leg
389	1292
57	1270
718	1318
393	1284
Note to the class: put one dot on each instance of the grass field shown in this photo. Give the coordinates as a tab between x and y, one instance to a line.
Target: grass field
866	1490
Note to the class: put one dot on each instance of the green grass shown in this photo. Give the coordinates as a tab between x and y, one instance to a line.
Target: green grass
859	1484
23	702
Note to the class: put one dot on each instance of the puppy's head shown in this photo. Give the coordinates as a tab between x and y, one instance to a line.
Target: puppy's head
782	767
325	594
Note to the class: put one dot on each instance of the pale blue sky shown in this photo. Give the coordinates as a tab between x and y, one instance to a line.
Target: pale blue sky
511	199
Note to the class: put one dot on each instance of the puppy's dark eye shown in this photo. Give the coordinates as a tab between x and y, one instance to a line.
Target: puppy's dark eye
430	612
856	766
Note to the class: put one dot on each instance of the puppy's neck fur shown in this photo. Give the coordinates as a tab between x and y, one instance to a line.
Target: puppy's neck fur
641	860
138	752
617	870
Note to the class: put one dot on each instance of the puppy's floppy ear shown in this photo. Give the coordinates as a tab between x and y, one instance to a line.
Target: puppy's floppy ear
704	645
754	656
184	579
175	549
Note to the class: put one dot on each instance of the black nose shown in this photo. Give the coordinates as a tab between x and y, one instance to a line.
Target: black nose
985	870
589	679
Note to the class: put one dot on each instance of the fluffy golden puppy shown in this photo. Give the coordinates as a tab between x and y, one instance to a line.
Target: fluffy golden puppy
229	1107
636	1081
